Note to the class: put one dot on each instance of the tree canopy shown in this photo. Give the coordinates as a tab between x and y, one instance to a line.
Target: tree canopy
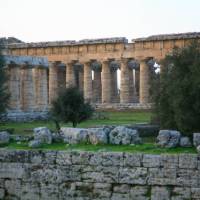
176	91
70	107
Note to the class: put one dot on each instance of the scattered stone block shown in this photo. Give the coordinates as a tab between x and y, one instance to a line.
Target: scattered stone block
43	135
4	137
168	138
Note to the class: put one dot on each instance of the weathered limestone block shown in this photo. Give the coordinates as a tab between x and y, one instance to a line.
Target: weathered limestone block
168	138
2	193
140	192
195	193
185	142
102	190
4	137
112	159
180	193
196	139
63	158
97	136
160	193
43	135
119	196
187	178
49	191
162	176
75	135
187	162
136	175
132	160
30	191
80	157
123	135
152	160
12	170
100	174
14	188
170	161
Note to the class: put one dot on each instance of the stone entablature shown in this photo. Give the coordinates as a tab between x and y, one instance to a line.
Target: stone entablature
102	175
178	36
70	42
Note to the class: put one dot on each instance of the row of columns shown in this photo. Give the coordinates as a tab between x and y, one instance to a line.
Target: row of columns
28	87
33	88
101	87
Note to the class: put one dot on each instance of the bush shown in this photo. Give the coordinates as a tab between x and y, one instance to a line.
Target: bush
176	91
70	107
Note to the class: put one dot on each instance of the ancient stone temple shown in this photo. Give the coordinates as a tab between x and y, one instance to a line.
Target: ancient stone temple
110	72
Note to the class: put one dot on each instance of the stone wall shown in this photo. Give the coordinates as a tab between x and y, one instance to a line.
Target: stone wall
33	175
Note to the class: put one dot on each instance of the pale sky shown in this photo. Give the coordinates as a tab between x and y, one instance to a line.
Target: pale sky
49	20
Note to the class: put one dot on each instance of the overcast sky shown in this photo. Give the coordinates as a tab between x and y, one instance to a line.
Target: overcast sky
48	20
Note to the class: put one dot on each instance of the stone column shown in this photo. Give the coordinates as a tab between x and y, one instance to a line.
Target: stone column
124	89
14	86
106	82
131	86
97	86
41	88
144	82
87	81
61	77
137	82
70	75
81	81
114	90
53	82
27	88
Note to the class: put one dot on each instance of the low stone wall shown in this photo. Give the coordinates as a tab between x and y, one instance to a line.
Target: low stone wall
20	116
122	107
32	175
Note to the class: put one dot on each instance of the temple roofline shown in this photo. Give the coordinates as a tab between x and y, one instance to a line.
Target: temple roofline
189	35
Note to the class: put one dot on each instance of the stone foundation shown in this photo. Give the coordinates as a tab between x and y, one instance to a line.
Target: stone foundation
33	175
21	116
122	107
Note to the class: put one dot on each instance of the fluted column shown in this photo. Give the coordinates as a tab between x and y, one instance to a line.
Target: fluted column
27	88
125	88
131	86
53	82
106	82
81	81
87	81
14	86
97	86
41	88
144	82
114	90
70	75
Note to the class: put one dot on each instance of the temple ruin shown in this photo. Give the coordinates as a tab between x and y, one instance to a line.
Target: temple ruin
38	71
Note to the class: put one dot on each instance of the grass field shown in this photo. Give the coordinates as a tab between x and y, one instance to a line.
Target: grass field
112	118
150	148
